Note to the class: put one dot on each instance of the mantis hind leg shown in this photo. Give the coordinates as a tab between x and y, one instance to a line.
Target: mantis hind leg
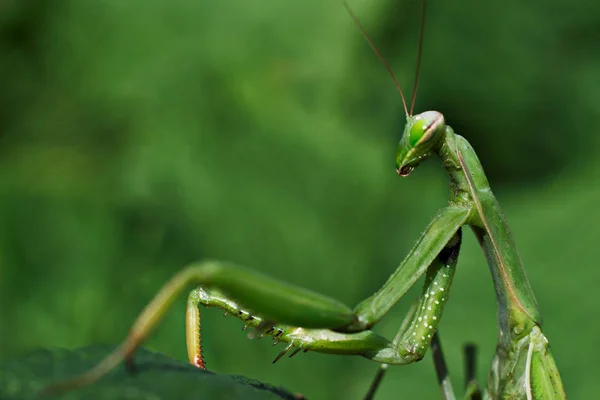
441	369
472	389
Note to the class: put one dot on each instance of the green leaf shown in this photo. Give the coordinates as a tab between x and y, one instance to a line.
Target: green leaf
156	376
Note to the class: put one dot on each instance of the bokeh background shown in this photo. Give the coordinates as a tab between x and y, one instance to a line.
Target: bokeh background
137	136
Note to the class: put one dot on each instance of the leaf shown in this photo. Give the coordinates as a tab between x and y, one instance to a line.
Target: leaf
157	376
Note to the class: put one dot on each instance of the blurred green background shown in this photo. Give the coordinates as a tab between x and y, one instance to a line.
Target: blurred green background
137	136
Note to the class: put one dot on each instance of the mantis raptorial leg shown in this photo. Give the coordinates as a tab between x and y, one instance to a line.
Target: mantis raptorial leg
523	366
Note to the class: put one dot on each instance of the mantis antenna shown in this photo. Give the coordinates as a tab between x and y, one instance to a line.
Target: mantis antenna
419	53
384	62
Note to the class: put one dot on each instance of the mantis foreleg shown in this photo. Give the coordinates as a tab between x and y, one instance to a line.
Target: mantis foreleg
416	338
439	232
416	332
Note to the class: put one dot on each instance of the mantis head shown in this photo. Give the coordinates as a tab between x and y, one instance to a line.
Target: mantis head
422	134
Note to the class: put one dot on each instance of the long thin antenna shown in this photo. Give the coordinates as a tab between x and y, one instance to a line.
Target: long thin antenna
419	53
385	64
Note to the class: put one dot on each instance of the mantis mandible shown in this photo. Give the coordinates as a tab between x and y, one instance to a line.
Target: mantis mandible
523	366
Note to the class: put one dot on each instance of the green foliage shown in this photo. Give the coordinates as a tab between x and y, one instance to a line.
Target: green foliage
138	136
156	377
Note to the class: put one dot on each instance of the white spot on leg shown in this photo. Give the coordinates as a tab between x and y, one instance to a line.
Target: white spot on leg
437	302
434	317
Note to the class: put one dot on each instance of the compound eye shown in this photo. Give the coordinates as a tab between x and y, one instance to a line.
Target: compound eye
426	126
417	131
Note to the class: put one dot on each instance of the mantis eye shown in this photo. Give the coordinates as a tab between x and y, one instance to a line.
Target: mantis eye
421	136
417	131
426	126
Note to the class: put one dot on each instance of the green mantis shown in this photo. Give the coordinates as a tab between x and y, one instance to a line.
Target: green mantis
306	321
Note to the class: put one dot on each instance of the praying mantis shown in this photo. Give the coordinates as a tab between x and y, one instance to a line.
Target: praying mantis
523	366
